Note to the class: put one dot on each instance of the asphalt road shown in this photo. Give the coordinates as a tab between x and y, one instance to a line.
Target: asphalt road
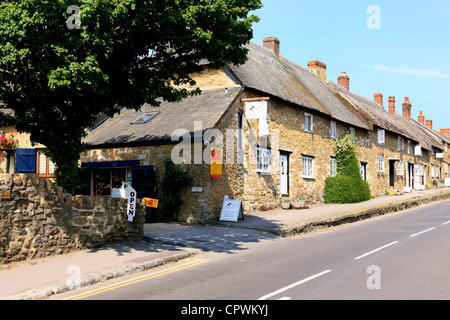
401	256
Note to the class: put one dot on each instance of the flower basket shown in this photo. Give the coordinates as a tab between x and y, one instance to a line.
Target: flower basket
8	143
286	204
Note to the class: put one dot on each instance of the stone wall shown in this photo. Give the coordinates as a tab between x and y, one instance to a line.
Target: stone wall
39	220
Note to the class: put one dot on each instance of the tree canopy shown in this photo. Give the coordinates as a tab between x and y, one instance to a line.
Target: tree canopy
64	62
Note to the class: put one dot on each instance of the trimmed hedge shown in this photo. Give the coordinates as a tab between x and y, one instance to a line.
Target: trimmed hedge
347	186
346	189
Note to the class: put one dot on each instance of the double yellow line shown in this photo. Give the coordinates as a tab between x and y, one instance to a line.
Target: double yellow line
145	277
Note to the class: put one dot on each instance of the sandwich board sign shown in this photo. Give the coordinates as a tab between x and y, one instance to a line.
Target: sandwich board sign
231	210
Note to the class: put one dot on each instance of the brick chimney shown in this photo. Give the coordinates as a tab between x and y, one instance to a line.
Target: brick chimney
378	98
391	105
344	80
429	124
273	44
421	118
319	68
445	131
406	108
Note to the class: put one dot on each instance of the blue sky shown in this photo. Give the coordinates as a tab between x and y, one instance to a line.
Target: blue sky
406	54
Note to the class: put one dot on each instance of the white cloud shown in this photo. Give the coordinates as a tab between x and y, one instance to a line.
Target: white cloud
407	70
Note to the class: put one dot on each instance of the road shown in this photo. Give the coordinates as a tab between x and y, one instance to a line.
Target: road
401	256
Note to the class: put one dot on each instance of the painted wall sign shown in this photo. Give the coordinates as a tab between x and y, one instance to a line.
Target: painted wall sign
6	194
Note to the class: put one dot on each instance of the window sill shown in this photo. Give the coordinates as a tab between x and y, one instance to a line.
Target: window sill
308	178
261	172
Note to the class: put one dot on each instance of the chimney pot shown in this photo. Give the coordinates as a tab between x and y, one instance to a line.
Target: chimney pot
429	124
445	131
273	44
406	108
421	118
319	68
344	80
378	98
391	105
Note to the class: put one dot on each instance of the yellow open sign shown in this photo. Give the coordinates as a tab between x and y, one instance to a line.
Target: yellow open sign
152	203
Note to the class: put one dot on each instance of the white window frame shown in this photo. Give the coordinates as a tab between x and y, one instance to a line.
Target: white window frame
333	130
263	160
380	164
432	171
409	147
309	122
308	167
446	168
333	167
381	136
400	167
401	144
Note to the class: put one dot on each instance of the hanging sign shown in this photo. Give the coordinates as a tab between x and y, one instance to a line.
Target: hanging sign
231	210
216	163
151	203
256	109
127	192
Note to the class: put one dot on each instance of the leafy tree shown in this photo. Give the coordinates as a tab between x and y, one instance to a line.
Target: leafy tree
347	186
63	62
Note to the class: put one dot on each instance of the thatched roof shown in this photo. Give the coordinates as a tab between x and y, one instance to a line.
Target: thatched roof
292	83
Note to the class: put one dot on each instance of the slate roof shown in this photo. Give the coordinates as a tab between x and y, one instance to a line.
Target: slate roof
119	130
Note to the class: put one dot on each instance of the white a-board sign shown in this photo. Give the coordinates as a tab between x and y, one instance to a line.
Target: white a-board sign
231	210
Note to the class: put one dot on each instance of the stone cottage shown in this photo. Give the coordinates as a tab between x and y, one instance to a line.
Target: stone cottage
276	124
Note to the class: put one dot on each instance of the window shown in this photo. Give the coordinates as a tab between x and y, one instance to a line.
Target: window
400	168
381	136
352	132
333	131
146	117
307	167
409	147
432	170
45	166
438	172
309	122
401	144
380	164
418	150
264	159
446	168
333	167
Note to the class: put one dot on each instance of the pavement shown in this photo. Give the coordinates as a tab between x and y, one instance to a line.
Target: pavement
165	243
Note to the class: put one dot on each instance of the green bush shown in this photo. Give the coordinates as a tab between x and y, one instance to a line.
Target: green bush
347	186
173	180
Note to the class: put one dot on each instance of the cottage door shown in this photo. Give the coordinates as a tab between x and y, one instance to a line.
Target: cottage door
284	175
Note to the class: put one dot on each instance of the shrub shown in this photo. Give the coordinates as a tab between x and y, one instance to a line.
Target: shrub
347	186
173	180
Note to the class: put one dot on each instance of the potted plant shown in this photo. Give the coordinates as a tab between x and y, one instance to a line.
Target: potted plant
286	204
299	203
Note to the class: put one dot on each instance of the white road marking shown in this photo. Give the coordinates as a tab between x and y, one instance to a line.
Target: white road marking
285	298
373	251
446	223
293	285
416	234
